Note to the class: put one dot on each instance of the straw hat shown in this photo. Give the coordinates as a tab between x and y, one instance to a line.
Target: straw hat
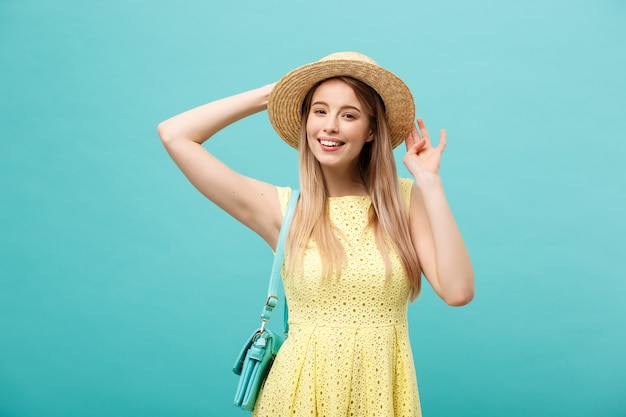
284	104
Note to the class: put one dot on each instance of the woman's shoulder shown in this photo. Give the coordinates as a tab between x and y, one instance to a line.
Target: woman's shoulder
406	185
283	197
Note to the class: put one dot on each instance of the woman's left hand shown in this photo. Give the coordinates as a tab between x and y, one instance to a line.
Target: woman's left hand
421	158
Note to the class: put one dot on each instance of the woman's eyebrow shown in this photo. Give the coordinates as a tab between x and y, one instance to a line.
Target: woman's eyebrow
347	106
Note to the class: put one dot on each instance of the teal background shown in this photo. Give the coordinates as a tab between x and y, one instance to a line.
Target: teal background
123	292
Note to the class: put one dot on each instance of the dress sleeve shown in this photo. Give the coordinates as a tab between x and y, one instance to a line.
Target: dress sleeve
406	184
283	197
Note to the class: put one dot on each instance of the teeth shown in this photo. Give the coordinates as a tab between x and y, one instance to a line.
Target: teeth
329	143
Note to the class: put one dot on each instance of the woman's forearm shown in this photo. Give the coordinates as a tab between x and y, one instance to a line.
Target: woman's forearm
202	122
455	273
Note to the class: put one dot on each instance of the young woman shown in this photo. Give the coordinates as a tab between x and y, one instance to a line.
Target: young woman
360	239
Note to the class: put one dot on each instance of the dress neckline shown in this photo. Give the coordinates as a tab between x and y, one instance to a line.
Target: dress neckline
350	197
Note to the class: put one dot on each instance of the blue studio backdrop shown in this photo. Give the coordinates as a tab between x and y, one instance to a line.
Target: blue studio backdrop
123	292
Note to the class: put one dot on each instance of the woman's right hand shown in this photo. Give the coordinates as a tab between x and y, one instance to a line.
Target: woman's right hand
266	90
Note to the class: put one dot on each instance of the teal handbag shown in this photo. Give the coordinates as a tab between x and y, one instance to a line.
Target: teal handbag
257	355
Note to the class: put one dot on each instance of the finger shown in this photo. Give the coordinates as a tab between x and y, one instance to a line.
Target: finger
442	140
416	148
423	130
412	138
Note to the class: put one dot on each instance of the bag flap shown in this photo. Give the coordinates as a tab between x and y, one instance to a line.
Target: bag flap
238	366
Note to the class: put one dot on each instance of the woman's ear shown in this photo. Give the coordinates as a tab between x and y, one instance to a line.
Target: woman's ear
370	137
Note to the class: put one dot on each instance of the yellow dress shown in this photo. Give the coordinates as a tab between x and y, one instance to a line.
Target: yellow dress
348	351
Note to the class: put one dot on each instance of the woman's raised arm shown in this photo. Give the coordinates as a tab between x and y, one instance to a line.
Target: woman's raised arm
437	239
254	203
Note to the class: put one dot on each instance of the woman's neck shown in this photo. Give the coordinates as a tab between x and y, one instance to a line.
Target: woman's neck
340	184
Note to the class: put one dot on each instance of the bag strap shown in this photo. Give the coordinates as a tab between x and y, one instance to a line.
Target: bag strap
277	266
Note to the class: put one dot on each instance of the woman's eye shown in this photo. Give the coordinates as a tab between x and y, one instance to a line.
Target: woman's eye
319	111
348	116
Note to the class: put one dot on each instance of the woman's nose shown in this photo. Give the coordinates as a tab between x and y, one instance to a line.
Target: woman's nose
331	125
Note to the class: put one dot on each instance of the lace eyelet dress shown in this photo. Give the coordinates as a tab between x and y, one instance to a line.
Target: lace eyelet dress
348	350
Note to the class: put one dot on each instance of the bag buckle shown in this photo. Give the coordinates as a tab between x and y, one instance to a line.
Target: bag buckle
271	302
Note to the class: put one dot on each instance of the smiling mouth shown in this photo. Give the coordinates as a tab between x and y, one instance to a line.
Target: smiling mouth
330	143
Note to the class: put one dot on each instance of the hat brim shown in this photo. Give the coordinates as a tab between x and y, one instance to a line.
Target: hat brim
284	104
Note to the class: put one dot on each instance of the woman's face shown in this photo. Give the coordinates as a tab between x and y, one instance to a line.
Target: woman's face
337	126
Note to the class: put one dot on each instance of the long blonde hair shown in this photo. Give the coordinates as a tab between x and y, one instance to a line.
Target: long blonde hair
387	214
